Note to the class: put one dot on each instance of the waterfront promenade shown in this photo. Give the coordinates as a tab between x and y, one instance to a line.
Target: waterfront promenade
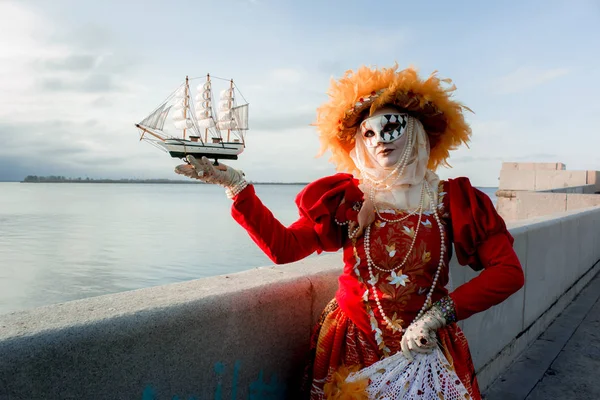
564	362
245	335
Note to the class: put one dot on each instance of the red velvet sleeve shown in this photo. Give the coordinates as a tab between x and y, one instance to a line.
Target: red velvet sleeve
481	241
315	229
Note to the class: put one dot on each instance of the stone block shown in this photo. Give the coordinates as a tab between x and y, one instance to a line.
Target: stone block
545	180
561	166
546	166
531	205
507	208
490	331
510	166
593	178
529	166
507	194
517	180
581	201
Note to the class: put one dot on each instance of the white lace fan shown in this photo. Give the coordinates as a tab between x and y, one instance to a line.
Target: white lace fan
428	377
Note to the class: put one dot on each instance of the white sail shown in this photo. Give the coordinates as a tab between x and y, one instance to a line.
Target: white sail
206	123
180	121
226	120
181	111
225	116
179	104
226	125
202	113
184	124
240	115
181	92
152	119
224	105
162	118
226	94
177	115
203	107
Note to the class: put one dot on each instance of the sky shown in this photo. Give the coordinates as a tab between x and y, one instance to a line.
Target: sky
75	76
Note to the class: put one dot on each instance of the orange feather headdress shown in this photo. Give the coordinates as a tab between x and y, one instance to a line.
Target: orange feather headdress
366	90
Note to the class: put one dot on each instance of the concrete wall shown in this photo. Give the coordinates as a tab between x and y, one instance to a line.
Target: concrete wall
244	336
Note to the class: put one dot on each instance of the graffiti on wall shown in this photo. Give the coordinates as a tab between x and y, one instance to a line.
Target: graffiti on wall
259	389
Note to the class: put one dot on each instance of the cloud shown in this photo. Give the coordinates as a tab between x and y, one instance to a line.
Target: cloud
506	158
64	146
536	157
525	78
75	89
471	159
280	121
86	37
72	62
93	83
101	102
50	71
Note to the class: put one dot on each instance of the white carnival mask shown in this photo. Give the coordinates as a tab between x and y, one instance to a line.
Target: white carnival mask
384	128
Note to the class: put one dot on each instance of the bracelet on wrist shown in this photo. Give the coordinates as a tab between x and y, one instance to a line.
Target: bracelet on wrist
446	306
234	190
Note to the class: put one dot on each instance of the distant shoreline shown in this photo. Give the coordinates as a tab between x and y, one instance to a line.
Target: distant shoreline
35	179
54	179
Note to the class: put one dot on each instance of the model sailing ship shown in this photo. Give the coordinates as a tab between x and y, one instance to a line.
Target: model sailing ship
199	131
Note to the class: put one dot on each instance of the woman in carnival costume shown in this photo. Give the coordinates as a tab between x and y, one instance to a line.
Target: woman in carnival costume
395	220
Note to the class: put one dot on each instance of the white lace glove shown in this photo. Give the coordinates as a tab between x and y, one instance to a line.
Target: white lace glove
420	335
230	178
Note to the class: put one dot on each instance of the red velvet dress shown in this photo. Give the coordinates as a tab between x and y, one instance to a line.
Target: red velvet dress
351	331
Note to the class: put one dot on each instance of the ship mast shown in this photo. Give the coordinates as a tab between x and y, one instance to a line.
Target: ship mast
186	103
206	129
230	107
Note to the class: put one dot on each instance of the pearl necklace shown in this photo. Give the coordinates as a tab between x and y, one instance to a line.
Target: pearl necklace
412	244
372	198
427	302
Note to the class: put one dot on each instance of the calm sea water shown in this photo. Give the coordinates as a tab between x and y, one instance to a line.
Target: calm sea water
61	242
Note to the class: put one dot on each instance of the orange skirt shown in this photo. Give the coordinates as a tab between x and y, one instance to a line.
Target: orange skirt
336	342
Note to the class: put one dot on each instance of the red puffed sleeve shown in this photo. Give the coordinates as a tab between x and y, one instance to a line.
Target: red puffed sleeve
315	229
481	241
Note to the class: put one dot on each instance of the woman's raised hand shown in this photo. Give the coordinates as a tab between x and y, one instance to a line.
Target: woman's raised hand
205	171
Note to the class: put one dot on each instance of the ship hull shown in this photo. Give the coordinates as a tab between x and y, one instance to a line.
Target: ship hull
220	151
